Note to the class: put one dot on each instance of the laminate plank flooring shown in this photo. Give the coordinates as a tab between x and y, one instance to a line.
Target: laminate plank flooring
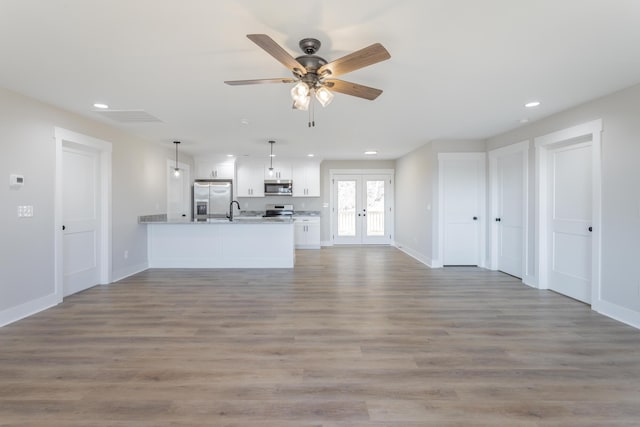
353	336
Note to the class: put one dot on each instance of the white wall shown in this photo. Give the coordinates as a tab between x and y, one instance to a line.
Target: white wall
27	147
620	114
414	203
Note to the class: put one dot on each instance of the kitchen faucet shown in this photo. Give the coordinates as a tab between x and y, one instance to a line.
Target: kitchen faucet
230	214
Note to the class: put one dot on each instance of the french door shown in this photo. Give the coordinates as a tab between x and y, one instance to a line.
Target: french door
362	209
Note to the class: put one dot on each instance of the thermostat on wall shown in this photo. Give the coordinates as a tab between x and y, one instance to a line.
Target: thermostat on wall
16	180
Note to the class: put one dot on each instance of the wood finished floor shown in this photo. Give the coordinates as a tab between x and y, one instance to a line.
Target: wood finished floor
350	337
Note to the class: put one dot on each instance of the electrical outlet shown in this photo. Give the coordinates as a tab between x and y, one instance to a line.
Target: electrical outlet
25	211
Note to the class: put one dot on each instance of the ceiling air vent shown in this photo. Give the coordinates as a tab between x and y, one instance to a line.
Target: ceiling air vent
129	116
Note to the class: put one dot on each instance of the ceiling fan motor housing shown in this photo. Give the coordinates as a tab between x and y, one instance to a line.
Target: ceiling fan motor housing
309	45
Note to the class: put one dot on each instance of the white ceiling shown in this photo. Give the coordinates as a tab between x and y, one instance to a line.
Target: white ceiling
459	69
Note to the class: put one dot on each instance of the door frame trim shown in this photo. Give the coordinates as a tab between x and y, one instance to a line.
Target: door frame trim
360	172
104	149
543	145
482	202
523	148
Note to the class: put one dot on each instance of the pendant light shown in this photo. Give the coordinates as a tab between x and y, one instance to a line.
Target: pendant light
271	158
176	170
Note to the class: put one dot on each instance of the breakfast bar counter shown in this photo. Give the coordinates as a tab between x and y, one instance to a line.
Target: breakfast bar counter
246	242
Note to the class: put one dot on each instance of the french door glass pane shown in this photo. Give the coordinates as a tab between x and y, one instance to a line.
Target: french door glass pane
375	208
346	208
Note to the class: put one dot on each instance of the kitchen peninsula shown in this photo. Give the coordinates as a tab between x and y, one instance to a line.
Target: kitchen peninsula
245	242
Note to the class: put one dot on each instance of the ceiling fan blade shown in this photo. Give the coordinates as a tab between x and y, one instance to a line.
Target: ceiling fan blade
353	89
356	60
275	50
259	81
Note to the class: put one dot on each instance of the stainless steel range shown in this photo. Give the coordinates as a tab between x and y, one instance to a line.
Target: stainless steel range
278	211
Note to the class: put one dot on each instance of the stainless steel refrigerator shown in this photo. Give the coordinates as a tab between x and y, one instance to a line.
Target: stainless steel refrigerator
211	198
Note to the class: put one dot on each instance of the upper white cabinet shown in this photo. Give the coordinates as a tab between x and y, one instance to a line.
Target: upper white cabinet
306	179
250	182
214	168
281	170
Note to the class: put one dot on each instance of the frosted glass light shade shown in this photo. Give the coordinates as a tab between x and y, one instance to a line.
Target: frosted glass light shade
302	103
324	96
300	90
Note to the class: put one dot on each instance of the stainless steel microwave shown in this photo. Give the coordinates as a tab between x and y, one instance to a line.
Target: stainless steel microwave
280	187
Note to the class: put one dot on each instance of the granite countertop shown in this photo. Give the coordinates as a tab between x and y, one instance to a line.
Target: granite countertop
237	220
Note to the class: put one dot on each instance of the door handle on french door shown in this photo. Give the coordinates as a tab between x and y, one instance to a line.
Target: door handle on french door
475	218
590	229
498	219
64	228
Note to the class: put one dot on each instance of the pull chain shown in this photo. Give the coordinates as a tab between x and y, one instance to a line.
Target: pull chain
312	114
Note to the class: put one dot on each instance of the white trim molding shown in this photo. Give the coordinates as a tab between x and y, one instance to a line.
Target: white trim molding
590	131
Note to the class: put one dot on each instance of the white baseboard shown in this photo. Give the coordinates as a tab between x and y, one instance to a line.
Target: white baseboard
619	313
28	308
530	281
415	255
123	273
326	243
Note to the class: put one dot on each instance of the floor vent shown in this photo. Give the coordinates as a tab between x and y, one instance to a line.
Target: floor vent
129	116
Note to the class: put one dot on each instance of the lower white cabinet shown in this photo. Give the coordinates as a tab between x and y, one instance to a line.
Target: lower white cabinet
307	232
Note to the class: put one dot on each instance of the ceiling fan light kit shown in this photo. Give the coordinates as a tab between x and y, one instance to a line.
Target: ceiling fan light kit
314	75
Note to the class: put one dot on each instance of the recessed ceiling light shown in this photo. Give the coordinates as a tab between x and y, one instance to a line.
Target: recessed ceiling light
310	155
272	155
99	105
532	104
370	153
244	122
230	155
524	120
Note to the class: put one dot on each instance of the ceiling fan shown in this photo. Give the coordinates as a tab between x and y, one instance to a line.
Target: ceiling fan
314	75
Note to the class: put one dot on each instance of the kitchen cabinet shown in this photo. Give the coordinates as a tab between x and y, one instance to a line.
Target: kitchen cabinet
306	179
214	168
281	170
307	232
250	181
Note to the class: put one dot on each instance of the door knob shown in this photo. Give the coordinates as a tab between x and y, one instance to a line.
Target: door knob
590	229
64	228
475	218
498	220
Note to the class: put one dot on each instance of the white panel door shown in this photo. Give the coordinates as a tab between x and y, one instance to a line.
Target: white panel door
362	209
81	218
570	221
510	213
462	189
